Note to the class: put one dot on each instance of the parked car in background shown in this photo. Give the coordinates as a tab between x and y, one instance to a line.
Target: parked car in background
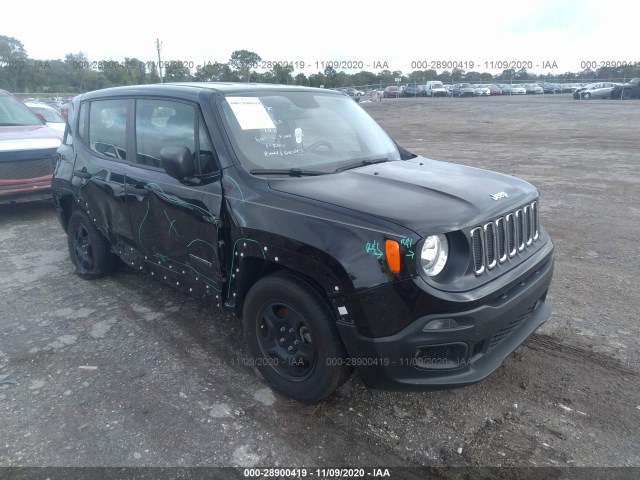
532	88
464	90
435	88
260	200
598	90
413	90
551	88
568	87
351	92
577	91
495	89
512	89
449	89
391	92
631	89
27	152
48	114
482	90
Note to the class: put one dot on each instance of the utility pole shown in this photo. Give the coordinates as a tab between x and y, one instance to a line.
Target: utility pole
159	47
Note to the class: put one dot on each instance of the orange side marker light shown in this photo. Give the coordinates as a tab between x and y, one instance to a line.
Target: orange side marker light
392	250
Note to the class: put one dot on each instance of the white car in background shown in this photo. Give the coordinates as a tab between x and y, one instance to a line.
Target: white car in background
47	114
482	91
518	90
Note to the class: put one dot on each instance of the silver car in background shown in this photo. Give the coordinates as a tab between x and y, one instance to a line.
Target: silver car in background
597	90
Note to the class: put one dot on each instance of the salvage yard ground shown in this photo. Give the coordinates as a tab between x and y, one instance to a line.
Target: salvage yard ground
126	372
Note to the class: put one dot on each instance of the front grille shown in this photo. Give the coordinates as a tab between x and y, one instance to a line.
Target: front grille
24	169
496	241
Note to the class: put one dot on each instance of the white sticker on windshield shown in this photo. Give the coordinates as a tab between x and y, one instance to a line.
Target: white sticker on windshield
250	113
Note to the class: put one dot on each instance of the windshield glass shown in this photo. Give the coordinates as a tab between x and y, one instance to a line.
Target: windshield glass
308	130
14	112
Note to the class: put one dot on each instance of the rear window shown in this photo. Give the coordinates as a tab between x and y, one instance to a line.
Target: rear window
107	128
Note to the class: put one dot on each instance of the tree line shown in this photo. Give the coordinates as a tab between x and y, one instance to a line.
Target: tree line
77	73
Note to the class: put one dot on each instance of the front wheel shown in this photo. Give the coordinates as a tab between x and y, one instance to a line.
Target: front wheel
586	96
626	94
291	335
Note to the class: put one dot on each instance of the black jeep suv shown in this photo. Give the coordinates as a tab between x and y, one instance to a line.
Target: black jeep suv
292	208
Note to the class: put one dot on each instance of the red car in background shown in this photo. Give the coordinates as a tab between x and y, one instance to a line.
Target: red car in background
391	92
27	152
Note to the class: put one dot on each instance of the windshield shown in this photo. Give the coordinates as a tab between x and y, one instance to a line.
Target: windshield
307	130
14	112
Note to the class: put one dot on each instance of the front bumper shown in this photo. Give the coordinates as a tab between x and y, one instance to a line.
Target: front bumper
484	336
27	189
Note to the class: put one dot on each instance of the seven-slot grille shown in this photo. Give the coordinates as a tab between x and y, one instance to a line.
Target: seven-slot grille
496	241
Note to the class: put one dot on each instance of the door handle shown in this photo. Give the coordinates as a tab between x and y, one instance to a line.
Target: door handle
82	174
142	192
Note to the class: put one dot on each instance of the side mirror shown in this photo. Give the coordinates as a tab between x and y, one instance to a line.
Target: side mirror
177	162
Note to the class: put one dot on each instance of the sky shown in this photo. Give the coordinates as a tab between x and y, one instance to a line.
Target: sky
492	34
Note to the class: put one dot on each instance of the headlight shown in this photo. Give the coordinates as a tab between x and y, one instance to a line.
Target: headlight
434	254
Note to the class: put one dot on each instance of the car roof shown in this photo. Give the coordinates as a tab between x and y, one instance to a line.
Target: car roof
192	89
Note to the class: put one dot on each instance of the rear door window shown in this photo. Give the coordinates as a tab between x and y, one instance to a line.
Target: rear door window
108	128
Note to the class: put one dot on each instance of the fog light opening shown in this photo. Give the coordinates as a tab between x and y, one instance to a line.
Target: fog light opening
440	324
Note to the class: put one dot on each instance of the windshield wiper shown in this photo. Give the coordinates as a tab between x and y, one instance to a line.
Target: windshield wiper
292	172
361	163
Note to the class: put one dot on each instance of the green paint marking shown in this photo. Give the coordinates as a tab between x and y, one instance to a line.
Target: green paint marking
157	189
199	240
205	279
374	248
171	226
140	227
238	186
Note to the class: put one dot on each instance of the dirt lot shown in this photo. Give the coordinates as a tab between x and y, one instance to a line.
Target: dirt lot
125	372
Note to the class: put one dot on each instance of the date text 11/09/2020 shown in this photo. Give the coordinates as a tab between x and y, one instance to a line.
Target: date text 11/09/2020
317	472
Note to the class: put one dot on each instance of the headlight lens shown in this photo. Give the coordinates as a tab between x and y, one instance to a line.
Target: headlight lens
435	251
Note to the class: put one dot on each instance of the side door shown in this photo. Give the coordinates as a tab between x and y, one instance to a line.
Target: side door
99	169
175	222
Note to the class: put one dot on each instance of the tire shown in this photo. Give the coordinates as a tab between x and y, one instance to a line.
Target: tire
291	334
626	94
88	249
586	96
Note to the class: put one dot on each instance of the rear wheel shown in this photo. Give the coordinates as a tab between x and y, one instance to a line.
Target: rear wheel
88	249
292	337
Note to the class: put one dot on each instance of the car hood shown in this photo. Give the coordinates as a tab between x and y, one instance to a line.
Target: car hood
426	196
28	137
